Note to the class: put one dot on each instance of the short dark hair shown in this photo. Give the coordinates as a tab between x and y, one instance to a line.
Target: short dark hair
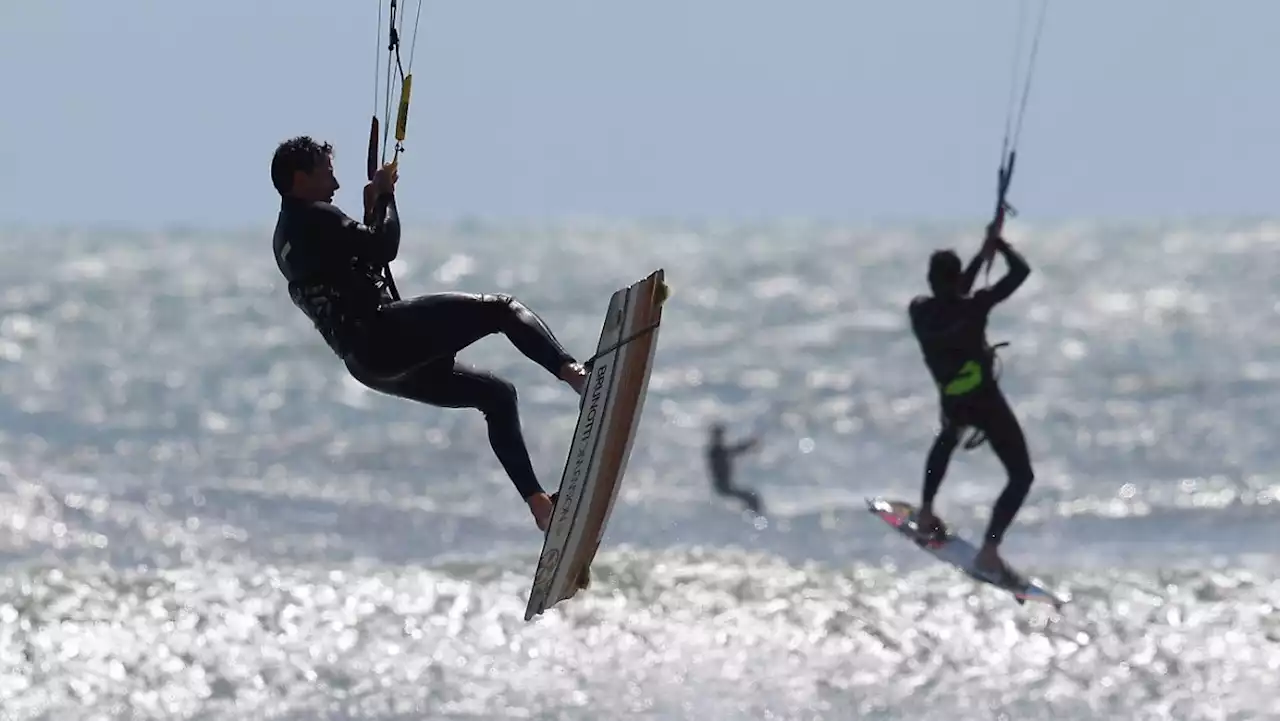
300	153
944	270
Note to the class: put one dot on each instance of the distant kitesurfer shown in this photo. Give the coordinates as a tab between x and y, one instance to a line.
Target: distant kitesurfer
337	275
951	328
720	459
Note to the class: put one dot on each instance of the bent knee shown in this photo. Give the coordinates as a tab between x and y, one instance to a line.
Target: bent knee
502	301
503	309
948	435
1022	476
499	396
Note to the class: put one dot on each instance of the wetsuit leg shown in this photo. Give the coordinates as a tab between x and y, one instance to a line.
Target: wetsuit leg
449	384
1006	438
939	459
718	465
722	483
749	498
431	327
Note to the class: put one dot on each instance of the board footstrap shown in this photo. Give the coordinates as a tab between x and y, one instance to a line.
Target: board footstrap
587	364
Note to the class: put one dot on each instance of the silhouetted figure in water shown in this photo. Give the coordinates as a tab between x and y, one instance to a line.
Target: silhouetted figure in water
720	462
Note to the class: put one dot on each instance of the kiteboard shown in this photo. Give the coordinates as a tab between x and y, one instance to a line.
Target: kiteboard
950	548
618	379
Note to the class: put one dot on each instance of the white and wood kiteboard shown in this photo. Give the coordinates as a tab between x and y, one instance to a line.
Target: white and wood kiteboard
602	440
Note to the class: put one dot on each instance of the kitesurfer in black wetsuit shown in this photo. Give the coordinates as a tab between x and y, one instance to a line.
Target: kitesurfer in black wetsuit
720	457
951	327
337	272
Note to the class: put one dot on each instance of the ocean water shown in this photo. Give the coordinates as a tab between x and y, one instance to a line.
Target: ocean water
201	517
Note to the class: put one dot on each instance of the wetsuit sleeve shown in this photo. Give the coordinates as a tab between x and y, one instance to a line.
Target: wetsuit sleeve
346	237
971	274
1012	280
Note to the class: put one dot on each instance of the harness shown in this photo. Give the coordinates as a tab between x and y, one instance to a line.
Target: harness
977	437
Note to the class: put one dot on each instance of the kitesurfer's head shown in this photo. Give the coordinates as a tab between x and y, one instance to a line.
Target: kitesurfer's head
303	168
944	273
717	432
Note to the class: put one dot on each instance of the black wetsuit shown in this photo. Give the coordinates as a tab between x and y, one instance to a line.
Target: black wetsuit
337	273
720	461
952	333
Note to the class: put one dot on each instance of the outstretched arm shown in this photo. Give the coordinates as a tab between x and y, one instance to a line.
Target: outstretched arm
971	271
1017	274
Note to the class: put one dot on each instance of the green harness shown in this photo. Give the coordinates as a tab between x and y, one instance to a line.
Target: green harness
968	380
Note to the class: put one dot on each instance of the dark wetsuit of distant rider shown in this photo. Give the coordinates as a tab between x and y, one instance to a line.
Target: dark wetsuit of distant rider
720	462
951	328
337	272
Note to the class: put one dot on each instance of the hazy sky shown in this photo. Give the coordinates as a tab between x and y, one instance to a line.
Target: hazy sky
156	111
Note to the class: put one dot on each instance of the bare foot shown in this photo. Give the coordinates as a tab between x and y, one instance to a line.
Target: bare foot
575	375
989	563
928	524
542	507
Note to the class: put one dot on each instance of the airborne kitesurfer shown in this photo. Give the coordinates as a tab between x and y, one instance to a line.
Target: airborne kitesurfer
337	275
951	326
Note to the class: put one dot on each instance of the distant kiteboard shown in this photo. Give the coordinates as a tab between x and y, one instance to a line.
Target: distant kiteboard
602	440
958	552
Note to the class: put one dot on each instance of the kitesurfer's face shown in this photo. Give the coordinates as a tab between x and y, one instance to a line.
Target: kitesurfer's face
320	183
